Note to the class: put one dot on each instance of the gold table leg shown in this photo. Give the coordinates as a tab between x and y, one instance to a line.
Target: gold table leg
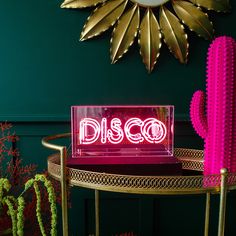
64	192
63	178
97	212
223	195
207	214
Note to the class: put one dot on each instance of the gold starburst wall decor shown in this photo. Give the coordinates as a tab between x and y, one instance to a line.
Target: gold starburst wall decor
165	19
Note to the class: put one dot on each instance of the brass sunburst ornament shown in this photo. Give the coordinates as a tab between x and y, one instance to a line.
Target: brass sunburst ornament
173	16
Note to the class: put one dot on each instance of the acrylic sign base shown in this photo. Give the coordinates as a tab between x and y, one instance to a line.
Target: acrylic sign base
148	165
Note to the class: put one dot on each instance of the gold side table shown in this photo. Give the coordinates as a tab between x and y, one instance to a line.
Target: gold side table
159	185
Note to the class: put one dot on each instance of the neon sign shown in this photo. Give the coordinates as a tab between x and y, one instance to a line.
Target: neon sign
134	129
111	133
124	139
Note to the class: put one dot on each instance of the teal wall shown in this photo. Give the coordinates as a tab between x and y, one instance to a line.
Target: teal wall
44	69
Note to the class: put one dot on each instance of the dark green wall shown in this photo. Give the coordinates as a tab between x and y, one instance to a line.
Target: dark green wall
44	69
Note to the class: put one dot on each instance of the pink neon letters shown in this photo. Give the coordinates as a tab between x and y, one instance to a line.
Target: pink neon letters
85	137
133	138
135	130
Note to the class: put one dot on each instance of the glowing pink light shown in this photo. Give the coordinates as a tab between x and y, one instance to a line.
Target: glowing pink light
104	130
154	130
116	127
135	130
133	138
86	134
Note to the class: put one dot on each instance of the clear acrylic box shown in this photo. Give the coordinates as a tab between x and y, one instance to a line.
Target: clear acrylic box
122	134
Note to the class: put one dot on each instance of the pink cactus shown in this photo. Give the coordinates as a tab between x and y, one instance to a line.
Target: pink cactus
218	126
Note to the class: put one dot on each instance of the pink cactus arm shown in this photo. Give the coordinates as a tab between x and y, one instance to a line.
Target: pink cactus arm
197	113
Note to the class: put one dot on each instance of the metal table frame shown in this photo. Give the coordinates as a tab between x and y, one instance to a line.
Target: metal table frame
159	185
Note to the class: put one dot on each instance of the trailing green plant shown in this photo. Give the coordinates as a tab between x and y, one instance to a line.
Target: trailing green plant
15	174
16	205
51	199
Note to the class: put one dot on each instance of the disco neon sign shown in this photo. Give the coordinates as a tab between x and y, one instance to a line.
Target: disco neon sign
134	130
111	138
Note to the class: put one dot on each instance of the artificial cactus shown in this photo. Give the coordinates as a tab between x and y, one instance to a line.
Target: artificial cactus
218	126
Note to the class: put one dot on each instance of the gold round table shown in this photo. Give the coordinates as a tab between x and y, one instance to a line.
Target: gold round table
159	185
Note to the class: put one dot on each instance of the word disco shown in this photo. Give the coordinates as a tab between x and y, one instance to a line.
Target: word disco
135	130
